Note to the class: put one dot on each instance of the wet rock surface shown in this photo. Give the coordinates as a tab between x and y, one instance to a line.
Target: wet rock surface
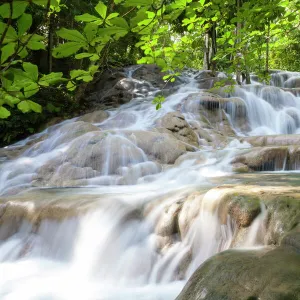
266	274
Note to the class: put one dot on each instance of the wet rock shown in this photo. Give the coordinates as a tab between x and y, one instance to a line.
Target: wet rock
266	274
168	222
160	146
208	83
152	74
94	117
273	140
240	168
243	203
293	82
176	124
196	157
89	155
244	209
263	159
214	109
71	131
190	209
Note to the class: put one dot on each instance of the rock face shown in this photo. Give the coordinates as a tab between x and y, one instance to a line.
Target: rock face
97	116
163	147
293	82
269	158
176	125
266	274
263	159
115	87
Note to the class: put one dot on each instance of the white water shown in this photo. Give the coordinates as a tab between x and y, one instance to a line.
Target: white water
113	252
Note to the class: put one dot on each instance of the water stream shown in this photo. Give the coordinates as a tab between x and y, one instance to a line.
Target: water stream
115	249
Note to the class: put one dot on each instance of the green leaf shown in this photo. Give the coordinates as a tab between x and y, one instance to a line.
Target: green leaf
90	31
112	31
44	3
28	105
23	53
67	49
31	89
34	45
71	86
138	2
112	16
86	18
51	78
7	51
77	73
71	35
101	9
24	23
11	35
18	8
4	113
83	55
31	70
120	22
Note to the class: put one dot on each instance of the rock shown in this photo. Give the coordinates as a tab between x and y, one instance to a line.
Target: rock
97	116
273	140
111	88
159	146
240	168
209	83
191	207
152	74
70	131
244	209
265	274
89	155
212	109
263	159
243	204
167	224
176	124
293	82
197	157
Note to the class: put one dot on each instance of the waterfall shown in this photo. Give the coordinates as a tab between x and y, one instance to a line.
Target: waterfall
126	208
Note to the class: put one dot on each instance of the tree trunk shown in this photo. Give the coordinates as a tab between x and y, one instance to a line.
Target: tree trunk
206	60
238	55
213	35
267	49
50	42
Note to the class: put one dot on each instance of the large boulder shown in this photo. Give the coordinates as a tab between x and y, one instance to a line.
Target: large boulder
97	116
293	82
263	159
273	140
152	73
163	147
175	124
265	274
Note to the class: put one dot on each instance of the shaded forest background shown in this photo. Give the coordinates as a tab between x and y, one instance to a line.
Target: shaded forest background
52	51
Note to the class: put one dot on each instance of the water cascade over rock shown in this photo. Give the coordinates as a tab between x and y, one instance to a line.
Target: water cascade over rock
130	202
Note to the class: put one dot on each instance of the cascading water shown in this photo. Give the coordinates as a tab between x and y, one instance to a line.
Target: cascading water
114	237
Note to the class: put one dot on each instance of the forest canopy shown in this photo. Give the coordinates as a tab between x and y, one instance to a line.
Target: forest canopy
50	49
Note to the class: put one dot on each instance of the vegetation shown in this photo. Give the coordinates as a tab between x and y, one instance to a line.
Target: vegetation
51	48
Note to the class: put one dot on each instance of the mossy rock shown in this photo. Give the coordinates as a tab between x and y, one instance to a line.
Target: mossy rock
265	274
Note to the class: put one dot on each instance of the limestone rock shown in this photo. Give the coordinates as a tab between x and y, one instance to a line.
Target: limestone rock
97	116
160	146
263	159
293	82
266	274
176	124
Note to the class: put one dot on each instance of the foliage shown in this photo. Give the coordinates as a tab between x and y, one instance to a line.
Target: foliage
50	45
